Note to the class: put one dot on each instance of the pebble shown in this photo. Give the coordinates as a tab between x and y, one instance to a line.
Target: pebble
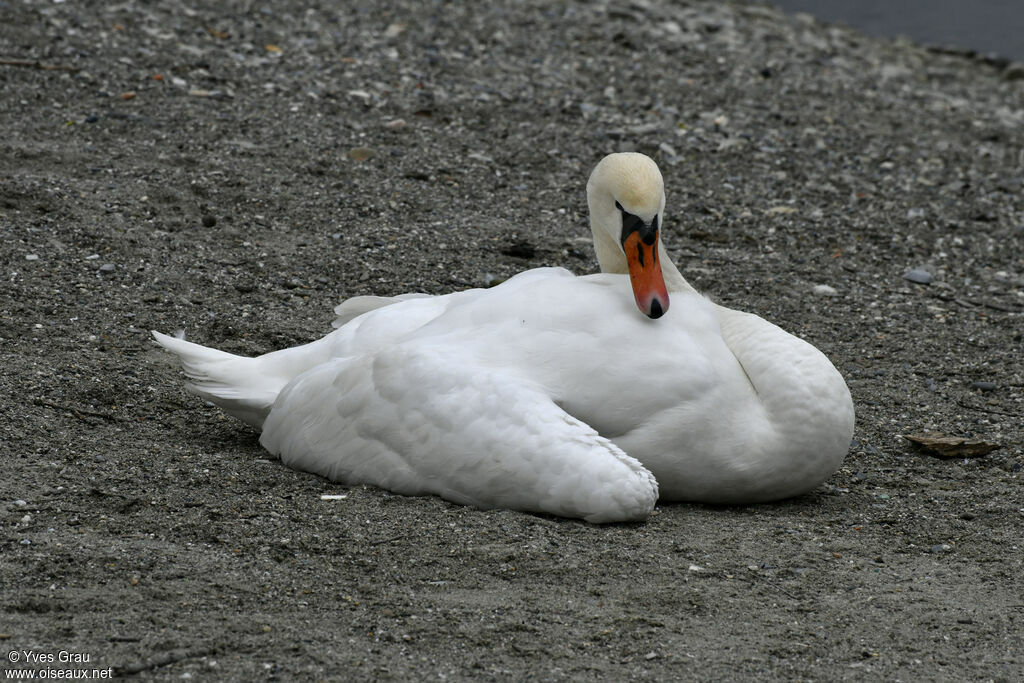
92	257
25	541
395	124
940	548
984	386
108	268
915	213
825	290
918	275
360	153
31	257
20	503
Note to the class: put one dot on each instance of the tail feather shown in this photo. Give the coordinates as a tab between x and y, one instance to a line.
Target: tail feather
234	383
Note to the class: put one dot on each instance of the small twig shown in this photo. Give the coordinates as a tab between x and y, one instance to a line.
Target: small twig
157	662
986	410
35	64
974	303
80	413
53	508
782	590
388	540
1000	307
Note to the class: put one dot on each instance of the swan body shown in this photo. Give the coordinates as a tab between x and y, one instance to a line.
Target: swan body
551	392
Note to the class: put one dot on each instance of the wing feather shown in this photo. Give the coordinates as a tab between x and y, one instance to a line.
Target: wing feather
418	420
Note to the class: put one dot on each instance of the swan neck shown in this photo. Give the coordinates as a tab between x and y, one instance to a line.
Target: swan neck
674	280
612	260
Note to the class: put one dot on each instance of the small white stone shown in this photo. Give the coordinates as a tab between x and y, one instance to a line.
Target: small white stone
671	27
31	257
825	290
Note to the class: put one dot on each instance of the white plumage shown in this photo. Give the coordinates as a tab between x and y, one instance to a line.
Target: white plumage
550	392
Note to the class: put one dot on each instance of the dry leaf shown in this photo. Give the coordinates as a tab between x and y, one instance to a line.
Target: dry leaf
942	446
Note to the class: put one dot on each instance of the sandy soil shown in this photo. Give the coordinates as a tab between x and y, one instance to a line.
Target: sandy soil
203	166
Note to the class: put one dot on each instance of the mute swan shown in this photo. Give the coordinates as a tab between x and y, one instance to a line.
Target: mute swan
551	392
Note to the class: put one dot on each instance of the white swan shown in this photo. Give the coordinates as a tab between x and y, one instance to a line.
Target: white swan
551	392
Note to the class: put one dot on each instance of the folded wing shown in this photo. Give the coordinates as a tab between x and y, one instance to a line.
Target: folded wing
418	420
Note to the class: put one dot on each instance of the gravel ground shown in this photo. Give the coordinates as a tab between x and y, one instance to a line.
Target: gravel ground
235	169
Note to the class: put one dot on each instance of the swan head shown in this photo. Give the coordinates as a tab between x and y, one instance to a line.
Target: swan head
626	198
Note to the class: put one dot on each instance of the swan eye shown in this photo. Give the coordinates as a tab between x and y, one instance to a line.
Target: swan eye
632	223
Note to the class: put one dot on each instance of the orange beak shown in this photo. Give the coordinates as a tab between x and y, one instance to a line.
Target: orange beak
645	275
